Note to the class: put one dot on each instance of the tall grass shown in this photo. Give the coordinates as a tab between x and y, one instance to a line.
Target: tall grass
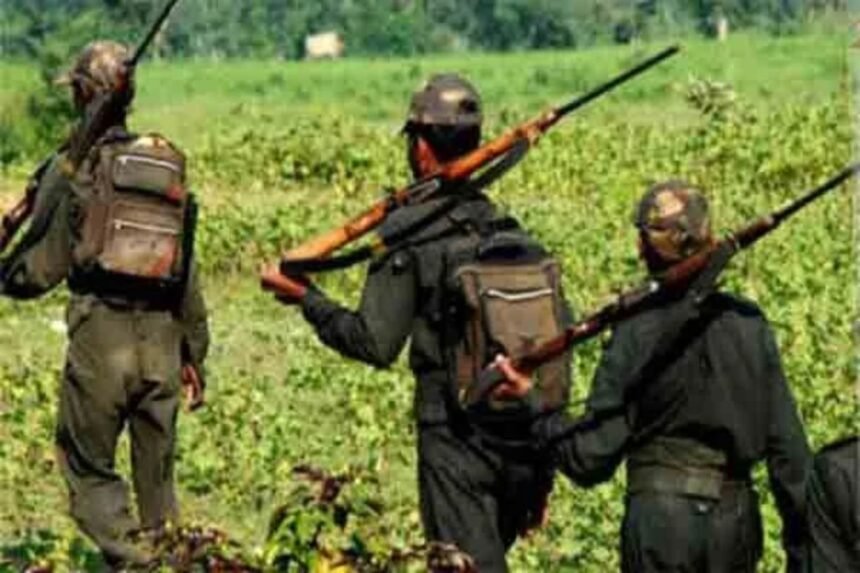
280	151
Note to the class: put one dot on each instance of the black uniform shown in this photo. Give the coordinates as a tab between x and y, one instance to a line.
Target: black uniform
473	494
834	509
692	423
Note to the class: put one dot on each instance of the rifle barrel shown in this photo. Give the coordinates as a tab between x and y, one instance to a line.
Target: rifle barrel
617	81
460	169
152	33
630	302
829	185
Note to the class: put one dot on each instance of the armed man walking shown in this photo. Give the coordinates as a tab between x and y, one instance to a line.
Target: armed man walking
119	230
692	393
465	284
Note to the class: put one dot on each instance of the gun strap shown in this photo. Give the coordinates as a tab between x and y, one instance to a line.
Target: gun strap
399	240
686	324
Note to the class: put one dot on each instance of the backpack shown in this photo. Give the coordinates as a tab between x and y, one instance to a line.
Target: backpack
137	227
505	294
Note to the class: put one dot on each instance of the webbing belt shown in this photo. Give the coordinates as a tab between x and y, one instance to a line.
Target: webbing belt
681	466
699	482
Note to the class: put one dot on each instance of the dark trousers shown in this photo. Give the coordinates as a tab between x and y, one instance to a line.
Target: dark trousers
673	533
476	496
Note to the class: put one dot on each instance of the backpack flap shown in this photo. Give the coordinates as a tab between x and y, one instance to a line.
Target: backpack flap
136	223
513	308
155	174
144	240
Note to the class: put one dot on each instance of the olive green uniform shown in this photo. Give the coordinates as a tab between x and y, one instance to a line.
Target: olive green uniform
691	422
473	494
123	367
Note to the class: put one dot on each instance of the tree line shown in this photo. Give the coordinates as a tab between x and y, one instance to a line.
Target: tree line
277	28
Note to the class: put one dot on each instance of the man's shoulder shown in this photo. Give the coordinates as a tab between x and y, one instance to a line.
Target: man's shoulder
844	448
427	220
641	325
120	137
725	306
736	305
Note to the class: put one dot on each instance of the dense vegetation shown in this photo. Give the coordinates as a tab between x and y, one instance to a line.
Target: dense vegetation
276	28
282	151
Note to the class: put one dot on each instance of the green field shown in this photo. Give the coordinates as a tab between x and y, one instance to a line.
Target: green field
282	150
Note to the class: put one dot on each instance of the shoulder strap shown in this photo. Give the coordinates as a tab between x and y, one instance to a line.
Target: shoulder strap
688	323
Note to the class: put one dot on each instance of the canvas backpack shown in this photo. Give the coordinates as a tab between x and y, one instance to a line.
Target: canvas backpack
507	294
138	224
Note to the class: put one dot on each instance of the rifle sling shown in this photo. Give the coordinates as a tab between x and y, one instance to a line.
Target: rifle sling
399	240
692	328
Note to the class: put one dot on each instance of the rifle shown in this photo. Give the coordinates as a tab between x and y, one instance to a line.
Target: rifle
516	140
674	279
96	120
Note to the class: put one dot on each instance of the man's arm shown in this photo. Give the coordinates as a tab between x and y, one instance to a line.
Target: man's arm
788	456
589	449
195	341
378	330
42	258
195	325
595	445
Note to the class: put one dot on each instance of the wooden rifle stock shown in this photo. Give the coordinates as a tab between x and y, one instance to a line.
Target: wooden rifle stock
327	243
458	170
674	279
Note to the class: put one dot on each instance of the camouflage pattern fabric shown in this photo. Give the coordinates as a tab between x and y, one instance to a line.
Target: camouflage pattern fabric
673	217
98	68
446	99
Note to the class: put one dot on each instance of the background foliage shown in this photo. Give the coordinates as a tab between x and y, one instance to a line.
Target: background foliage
276	28
281	151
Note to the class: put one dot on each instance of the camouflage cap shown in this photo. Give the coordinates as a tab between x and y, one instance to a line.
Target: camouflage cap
99	66
445	99
673	218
